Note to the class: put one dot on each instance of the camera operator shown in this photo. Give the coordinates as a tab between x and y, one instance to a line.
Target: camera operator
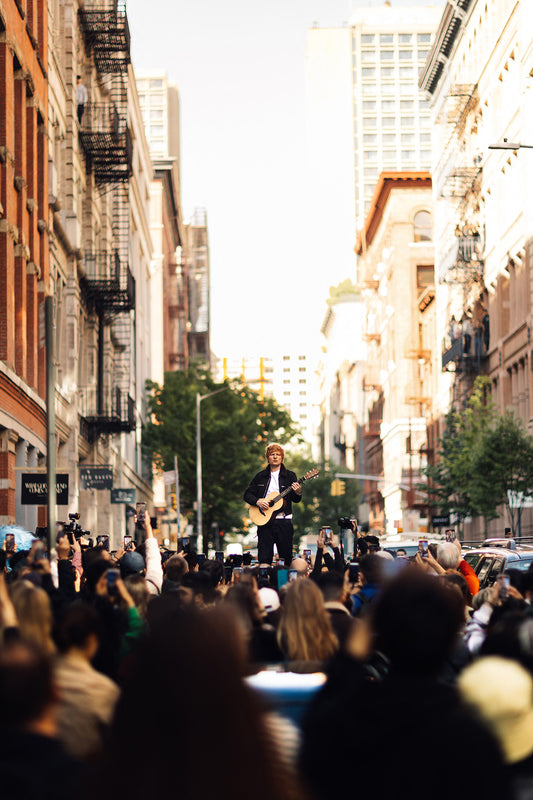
323	558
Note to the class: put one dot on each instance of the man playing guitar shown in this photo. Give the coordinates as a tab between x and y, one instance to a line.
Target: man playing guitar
278	530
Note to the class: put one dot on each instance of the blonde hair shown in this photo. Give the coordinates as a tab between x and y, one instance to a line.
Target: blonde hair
305	632
34	614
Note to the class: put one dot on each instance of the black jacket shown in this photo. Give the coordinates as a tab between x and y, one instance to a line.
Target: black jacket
258	488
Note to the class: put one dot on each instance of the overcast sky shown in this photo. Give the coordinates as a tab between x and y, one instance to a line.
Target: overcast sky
240	70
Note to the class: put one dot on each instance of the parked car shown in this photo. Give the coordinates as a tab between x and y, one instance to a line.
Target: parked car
498	555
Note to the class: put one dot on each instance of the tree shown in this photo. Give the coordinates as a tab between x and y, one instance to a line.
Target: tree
504	464
236	426
485	460
455	484
318	505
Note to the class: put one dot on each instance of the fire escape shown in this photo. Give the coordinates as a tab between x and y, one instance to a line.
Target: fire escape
108	285
462	263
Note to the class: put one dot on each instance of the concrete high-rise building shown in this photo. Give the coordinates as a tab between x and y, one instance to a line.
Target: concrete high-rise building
290	379
365	113
159	101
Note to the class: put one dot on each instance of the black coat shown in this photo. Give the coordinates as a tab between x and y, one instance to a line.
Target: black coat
258	487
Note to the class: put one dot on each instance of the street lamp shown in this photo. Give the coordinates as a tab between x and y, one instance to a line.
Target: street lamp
199	398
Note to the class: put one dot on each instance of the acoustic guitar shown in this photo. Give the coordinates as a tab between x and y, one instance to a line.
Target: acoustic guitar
261	516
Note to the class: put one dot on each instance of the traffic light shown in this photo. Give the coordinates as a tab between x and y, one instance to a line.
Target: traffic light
173	501
338	487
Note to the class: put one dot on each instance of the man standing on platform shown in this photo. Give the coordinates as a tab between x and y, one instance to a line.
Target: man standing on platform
278	530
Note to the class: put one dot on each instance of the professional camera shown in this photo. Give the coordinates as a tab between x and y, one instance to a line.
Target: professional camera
72	528
347	524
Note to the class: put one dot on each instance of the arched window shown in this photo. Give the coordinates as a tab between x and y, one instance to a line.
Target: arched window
423	227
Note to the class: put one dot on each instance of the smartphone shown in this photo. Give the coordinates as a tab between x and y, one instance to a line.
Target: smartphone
423	547
293	574
219	555
227	574
263	572
10	542
103	539
504	583
281	562
40	552
185	543
112	576
450	536
128	543
353	572
141	514
200	557
328	534
237	574
307	555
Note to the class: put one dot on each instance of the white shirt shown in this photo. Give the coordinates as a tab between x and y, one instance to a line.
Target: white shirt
81	94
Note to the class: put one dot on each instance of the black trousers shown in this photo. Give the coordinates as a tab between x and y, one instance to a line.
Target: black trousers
277	532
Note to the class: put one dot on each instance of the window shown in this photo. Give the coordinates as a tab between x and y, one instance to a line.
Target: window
386	38
370	155
407	105
388	105
369	105
406	88
423	227
407	122
368	55
425	138
405	38
423	38
156	84
369	189
370	172
406	55
387	55
369	122
367	38
156	113
388	122
370	138
425	276
368	88
368	72
388	89
422	55
425	121
387	72
156	130
406	72
423	104
408	138
389	138
389	157
425	156
408	155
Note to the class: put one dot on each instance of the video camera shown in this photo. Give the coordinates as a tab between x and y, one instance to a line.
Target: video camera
347	524
72	528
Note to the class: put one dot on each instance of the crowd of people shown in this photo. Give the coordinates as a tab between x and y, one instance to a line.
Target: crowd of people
124	674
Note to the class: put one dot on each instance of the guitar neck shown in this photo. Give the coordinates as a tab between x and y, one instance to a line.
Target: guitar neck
286	491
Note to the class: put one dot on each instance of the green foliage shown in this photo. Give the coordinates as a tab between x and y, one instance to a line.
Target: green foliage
235	429
482	455
318	506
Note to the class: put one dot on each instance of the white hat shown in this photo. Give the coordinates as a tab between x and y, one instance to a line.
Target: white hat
501	690
269	598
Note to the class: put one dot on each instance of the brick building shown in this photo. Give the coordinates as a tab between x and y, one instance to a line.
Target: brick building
23	241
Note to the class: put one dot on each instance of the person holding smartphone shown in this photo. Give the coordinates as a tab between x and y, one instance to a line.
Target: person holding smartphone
323	558
278	530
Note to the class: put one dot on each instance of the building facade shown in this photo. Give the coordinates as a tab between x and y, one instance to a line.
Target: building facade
478	79
401	370
24	247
